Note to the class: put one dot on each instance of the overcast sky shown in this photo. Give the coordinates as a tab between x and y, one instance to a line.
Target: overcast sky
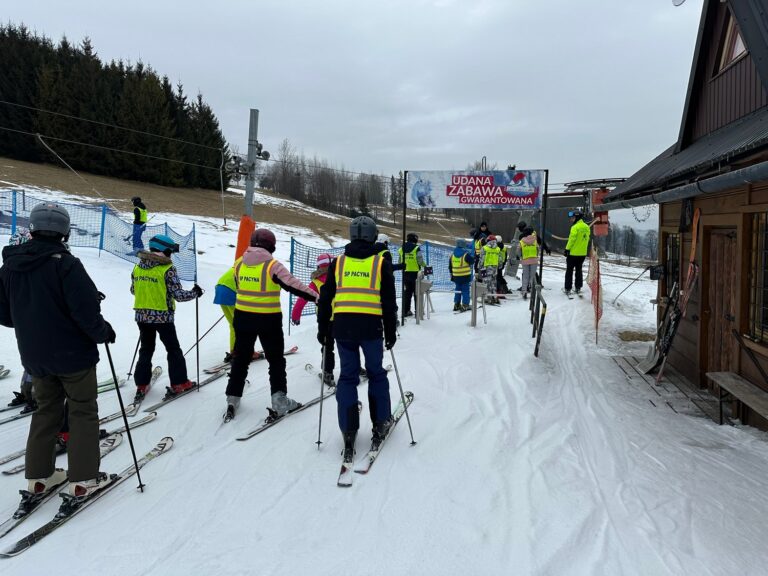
588	89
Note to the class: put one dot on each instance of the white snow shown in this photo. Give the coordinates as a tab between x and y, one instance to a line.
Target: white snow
548	466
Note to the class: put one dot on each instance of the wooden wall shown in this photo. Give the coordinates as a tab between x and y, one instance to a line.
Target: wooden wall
730	210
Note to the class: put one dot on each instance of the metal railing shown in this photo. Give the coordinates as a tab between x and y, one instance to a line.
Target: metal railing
538	308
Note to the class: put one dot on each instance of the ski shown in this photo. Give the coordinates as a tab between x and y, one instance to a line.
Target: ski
319	374
167	399
16	417
4	372
71	506
345	475
365	463
157	371
271	420
567	293
30	503
258	355
146	420
107	385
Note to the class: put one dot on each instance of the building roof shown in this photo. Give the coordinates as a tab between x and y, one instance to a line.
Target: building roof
668	169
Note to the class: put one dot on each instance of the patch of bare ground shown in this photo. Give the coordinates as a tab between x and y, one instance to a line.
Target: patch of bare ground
207	203
635	336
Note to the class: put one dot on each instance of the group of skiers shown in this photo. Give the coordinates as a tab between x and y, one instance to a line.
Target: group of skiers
42	285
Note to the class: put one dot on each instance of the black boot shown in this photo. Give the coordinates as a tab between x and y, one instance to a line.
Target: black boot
349	445
380	431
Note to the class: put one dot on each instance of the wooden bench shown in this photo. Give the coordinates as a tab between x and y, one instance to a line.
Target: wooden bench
730	384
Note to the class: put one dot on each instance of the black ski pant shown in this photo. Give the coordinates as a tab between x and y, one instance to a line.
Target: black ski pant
79	390
268	328
574	263
177	366
409	288
329	359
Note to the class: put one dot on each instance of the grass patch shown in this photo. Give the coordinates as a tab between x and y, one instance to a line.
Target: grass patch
635	336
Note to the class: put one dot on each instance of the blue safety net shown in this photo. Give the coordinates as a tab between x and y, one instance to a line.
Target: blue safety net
99	226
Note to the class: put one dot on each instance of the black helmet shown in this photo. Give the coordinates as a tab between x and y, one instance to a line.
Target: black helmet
412	237
363	228
49	219
576	213
136	199
522	225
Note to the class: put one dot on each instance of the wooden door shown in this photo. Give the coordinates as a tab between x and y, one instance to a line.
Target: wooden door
722	348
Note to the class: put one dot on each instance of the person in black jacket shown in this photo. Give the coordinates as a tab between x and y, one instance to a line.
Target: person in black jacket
47	297
360	295
139	223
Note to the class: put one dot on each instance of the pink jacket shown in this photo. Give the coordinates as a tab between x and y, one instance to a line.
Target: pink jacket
280	273
298	308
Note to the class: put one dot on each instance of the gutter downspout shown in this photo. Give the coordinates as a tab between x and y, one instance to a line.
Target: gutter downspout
712	185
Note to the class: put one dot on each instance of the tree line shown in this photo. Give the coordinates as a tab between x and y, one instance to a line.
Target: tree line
625	240
72	81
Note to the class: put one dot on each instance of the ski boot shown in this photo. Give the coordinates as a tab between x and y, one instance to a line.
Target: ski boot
348	453
329	380
233	403
176	389
37	489
141	392
282	405
380	431
457	307
18	399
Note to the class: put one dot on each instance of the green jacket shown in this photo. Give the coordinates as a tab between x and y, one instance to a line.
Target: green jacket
578	239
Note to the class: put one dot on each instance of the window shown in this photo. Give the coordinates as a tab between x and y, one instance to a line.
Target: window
732	46
671	261
758	280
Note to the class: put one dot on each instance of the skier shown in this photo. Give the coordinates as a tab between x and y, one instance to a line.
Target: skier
259	278
382	244
48	298
575	250
460	267
489	262
529	249
225	296
501	283
479	237
410	255
139	223
156	288
360	297
318	278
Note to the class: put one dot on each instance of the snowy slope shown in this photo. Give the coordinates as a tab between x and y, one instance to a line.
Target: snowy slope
538	466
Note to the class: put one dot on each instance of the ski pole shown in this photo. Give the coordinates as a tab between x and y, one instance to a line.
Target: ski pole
136	351
197	338
402	395
204	335
125	417
322	395
630	284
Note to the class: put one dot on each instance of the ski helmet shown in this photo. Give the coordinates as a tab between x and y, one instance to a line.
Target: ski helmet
498	239
575	214
461	243
383	239
323	260
521	225
136	200
363	228
49	220
163	243
412	237
264	238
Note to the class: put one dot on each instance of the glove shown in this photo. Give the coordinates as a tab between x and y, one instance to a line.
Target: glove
111	336
567	252
295	322
428	270
197	290
101	295
389	341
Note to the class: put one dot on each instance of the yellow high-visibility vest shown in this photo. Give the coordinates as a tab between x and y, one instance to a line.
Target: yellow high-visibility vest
256	291
149	289
460	266
491	256
143	215
358	285
411	262
228	279
529	250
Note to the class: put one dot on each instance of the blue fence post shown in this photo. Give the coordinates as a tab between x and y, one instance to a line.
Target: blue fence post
194	245
427	251
193	230
103	224
13	213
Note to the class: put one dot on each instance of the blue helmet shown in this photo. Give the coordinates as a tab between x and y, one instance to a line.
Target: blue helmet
461	243
161	243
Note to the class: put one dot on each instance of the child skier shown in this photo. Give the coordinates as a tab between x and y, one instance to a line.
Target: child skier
156	288
259	278
489	263
360	296
460	267
529	251
318	278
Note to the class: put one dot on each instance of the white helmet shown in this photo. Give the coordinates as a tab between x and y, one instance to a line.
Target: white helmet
382	239
498	239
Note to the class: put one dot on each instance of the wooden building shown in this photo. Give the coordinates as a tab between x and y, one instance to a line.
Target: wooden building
719	165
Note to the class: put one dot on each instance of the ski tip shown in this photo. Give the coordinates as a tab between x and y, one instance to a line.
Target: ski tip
165	443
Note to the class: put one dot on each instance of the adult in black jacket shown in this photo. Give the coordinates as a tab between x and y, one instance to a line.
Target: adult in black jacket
52	304
362	318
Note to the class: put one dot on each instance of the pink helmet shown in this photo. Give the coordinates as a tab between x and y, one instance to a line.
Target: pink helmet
323	260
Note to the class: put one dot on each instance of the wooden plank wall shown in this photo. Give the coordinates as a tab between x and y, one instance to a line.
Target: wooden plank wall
732	209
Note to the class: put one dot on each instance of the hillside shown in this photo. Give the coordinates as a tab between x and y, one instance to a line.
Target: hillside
206	203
